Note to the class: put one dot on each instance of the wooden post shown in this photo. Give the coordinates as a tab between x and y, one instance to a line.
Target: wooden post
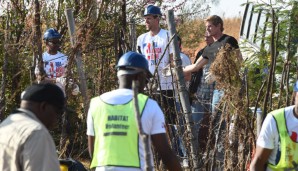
4	69
144	137
78	58
37	44
184	97
132	33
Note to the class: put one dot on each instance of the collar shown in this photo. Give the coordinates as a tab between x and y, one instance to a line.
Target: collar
28	113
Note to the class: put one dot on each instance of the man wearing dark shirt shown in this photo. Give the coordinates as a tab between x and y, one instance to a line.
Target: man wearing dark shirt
206	93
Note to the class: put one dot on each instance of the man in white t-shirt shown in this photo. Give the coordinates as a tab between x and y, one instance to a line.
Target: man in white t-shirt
152	45
55	62
277	144
113	139
184	58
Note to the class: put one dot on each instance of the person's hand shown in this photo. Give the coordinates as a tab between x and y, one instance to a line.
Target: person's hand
61	80
166	71
75	90
209	78
41	79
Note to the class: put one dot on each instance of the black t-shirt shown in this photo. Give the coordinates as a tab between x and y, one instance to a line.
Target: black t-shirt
199	54
211	50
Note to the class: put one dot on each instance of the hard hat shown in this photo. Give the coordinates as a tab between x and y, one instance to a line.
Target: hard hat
51	34
296	86
132	63
152	10
63	167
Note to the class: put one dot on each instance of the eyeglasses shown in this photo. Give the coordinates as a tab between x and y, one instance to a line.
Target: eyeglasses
54	42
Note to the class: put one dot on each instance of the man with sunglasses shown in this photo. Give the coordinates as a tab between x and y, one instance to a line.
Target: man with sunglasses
25	142
55	62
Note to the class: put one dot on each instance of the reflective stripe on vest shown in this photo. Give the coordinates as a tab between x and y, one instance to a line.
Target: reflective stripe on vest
289	148
116	133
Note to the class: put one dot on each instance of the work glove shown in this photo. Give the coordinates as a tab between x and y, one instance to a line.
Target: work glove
166	71
210	78
75	90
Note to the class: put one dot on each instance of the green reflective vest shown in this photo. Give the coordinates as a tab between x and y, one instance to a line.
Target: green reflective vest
116	133
289	149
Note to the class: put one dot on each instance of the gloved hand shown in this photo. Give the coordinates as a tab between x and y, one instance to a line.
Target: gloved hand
75	90
61	82
166	71
209	78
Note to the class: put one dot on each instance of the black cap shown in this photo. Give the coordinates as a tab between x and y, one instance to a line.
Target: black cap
44	92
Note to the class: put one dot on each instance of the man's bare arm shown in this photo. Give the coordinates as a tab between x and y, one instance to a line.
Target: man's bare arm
91	145
161	144
260	159
196	66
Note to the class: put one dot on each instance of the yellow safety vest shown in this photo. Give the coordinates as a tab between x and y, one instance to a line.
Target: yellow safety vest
116	133
289	148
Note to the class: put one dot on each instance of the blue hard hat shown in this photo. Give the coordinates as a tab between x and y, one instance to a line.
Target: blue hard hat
296	86
132	63
152	10
51	34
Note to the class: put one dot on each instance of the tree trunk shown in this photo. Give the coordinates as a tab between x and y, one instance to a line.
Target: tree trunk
37	44
183	94
4	72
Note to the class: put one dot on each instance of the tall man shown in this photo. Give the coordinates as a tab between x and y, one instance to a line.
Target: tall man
214	28
208	91
200	102
112	132
25	142
277	144
152	45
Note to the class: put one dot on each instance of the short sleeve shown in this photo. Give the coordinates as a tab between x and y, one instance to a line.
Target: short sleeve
268	133
153	120
199	54
90	127
233	42
139	44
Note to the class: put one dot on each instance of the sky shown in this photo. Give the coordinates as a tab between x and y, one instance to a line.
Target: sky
225	8
228	8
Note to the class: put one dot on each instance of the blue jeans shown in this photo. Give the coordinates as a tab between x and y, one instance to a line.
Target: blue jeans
199	109
217	95
201	117
178	144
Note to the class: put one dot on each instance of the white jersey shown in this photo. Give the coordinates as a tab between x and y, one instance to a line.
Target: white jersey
54	65
185	61
152	120
153	47
269	136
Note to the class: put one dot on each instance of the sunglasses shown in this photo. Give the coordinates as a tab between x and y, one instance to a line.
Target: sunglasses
55	42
